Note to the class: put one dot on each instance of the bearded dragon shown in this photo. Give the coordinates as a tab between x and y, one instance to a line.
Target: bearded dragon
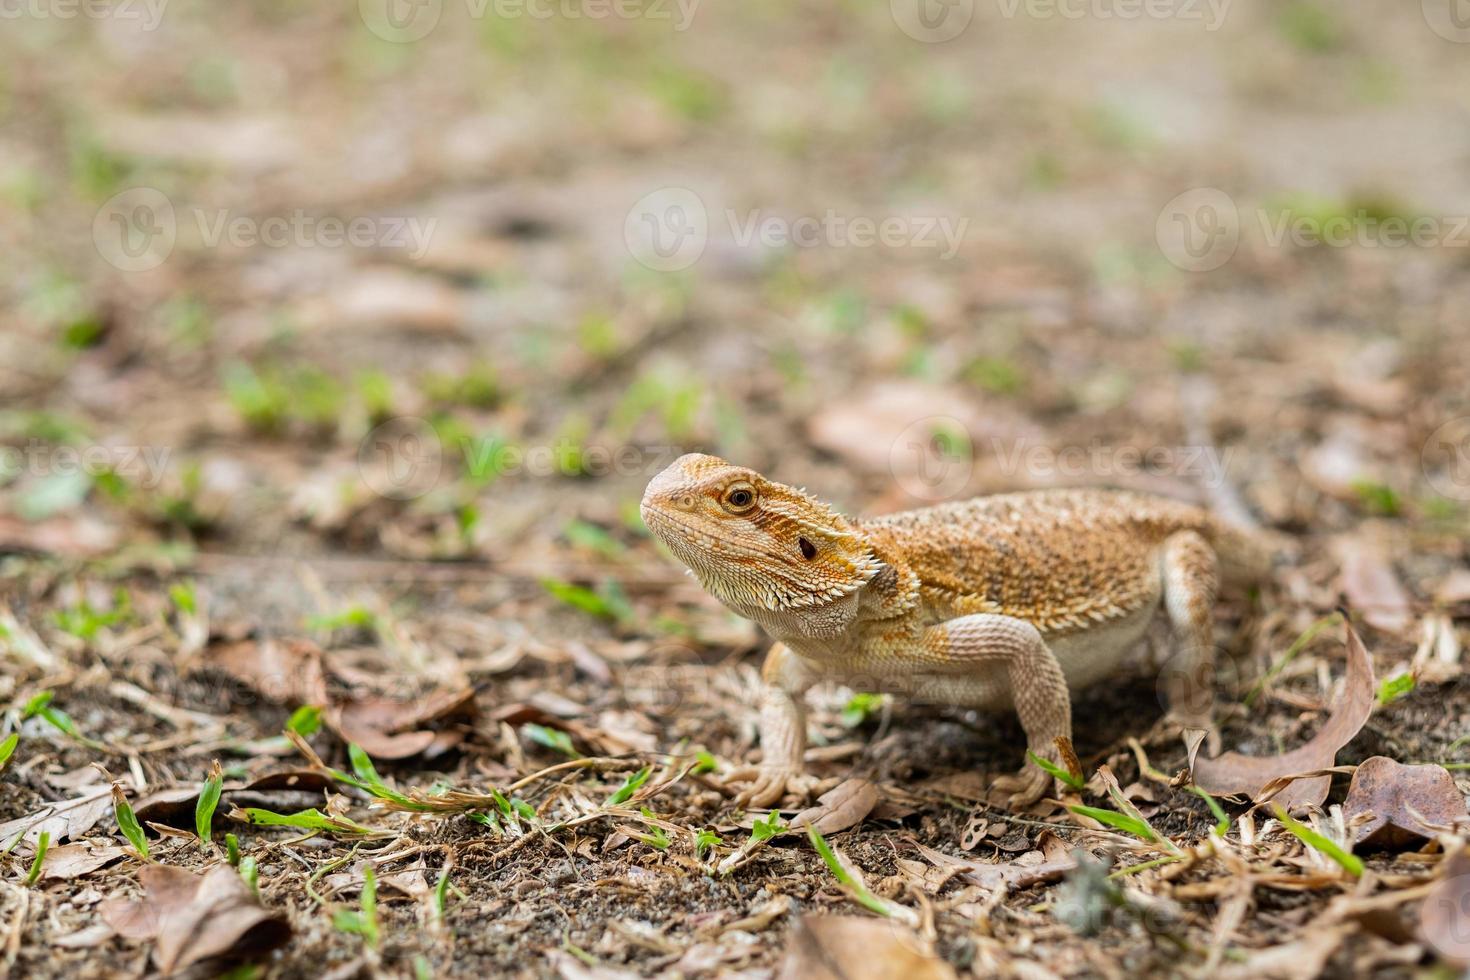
1003	601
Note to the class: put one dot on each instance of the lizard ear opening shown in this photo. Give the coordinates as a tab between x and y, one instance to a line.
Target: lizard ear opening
808	550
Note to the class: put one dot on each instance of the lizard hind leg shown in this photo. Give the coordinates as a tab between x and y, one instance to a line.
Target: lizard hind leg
1190	572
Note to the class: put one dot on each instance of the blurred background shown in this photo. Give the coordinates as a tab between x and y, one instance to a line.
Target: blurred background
242	236
452	279
367	323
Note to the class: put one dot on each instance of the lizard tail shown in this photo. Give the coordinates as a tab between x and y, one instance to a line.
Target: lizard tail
1247	550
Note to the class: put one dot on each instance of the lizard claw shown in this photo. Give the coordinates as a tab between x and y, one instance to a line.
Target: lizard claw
768	784
1026	786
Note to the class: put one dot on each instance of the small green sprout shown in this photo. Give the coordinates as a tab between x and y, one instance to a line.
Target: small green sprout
42	844
204	809
127	822
629	787
551	738
1395	687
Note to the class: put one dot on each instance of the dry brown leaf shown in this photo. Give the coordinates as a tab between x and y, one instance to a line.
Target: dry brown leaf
67	535
283	672
1454	589
1233	773
1442	920
74	860
1372	586
64	821
196	919
296	672
1407	802
833	947
166	888
390	728
843	806
992	876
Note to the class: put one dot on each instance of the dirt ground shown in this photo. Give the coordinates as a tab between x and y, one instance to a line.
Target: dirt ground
338	342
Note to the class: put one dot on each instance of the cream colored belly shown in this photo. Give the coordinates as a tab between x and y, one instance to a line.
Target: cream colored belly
1093	654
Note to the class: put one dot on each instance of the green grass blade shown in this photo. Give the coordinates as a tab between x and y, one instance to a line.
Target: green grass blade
7	748
630	786
1056	771
1222	821
1118	821
1348	861
127	822
42	845
859	891
204	809
312	819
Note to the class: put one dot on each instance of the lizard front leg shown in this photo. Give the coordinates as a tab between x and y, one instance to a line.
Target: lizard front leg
786	679
1037	686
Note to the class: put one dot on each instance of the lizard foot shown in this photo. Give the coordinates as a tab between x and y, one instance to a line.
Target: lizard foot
768	784
1025	787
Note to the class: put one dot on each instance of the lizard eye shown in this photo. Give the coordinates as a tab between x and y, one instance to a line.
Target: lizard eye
739	498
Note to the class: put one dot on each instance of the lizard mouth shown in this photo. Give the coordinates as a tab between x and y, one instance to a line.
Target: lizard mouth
693	536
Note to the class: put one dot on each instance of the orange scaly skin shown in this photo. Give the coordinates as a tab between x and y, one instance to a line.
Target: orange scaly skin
995	602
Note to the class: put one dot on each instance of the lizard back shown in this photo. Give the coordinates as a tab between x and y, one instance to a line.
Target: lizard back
1063	560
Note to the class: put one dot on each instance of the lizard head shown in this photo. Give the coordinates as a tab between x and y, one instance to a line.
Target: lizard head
752	542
